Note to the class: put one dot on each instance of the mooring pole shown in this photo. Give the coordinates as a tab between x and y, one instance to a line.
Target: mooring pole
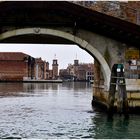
118	78
122	94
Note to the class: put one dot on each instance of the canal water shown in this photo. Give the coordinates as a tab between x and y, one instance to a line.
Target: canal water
50	110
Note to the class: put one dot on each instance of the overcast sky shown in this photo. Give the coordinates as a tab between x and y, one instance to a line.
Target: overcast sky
64	53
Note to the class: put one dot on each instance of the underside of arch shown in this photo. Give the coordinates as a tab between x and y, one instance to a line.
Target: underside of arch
46	36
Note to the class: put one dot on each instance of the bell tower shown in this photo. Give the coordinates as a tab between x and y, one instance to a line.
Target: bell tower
55	68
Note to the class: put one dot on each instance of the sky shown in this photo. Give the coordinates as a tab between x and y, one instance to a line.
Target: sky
64	53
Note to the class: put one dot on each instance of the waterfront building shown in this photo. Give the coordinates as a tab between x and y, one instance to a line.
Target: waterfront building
47	70
16	66
41	69
65	75
55	69
50	74
84	72
78	72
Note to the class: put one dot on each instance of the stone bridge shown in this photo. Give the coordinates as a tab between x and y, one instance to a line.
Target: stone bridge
108	39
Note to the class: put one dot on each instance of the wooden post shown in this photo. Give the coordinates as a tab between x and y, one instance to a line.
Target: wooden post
118	78
122	94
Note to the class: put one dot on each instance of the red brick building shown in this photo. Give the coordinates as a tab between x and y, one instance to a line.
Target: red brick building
16	66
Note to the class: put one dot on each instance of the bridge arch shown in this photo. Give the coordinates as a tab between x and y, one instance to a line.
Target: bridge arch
79	41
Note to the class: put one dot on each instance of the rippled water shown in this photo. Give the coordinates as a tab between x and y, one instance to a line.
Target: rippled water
57	111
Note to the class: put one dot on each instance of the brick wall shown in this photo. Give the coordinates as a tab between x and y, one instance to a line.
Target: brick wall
14	66
13	70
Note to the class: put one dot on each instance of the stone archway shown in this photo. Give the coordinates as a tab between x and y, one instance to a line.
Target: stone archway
79	41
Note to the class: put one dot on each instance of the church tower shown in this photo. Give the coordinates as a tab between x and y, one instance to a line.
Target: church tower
55	69
76	66
76	61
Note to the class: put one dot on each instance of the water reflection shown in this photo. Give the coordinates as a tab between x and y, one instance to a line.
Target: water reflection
45	111
76	85
17	89
51	110
11	89
35	87
21	89
117	128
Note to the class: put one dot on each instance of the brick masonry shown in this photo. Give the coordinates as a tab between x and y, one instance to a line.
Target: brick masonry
13	66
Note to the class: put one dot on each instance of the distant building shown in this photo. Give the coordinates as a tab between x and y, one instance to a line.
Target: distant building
84	72
41	69
47	70
50	74
78	72
16	66
55	69
65	75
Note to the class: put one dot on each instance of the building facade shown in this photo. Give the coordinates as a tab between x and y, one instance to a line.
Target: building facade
78	72
41	68
16	66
